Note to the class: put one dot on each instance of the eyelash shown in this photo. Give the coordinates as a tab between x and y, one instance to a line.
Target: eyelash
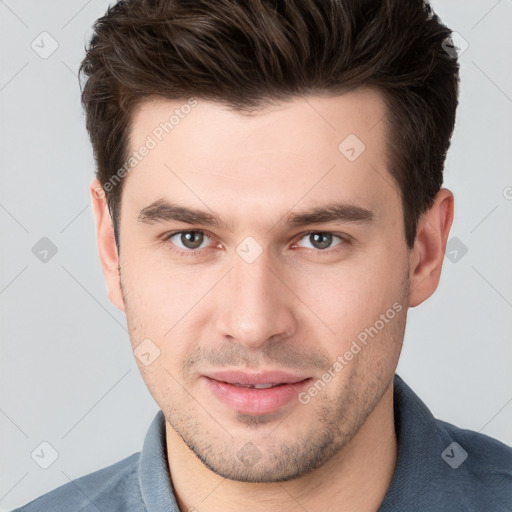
344	240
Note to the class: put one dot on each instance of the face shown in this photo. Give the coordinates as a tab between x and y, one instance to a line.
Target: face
264	276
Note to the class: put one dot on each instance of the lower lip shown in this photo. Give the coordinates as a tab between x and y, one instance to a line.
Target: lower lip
256	401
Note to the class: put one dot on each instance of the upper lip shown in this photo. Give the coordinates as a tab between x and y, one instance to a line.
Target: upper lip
245	378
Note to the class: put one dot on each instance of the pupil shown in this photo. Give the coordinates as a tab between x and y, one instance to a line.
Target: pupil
192	240
316	240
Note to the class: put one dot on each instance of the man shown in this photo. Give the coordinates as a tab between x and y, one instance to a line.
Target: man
268	206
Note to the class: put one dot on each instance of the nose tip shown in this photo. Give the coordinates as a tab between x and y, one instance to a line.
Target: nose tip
254	306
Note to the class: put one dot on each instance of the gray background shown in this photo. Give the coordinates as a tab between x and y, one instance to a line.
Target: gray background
68	376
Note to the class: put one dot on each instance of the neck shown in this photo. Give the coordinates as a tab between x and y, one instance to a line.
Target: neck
356	478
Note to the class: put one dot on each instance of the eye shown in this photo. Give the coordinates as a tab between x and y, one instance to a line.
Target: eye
321	240
188	240
191	242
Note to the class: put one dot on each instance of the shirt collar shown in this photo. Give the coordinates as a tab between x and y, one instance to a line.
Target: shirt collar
420	469
154	478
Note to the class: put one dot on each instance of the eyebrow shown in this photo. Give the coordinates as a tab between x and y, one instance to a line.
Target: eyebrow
337	212
165	211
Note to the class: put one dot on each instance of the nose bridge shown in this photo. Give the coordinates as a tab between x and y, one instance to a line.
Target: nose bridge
254	305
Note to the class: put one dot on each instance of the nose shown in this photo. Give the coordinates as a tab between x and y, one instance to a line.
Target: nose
254	305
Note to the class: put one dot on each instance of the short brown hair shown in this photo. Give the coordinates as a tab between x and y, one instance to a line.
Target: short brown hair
244	53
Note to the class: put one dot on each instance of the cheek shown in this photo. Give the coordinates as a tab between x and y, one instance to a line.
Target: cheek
159	295
162	306
158	344
351	296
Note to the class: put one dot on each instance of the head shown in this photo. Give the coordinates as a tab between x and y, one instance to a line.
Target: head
268	202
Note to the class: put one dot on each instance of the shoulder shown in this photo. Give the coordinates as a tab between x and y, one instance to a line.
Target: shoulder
442	466
482	451
481	465
113	488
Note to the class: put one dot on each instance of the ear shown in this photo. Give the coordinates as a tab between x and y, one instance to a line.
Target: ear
427	255
107	248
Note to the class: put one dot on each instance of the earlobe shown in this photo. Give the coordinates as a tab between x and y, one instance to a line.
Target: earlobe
107	249
427	255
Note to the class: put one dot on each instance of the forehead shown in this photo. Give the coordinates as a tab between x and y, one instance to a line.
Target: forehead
311	149
317	121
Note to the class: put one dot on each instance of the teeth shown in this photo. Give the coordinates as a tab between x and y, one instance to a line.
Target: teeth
256	386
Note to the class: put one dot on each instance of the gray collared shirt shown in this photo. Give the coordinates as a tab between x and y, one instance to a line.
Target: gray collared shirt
440	468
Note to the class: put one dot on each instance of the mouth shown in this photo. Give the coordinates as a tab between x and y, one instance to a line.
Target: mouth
256	386
257	393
